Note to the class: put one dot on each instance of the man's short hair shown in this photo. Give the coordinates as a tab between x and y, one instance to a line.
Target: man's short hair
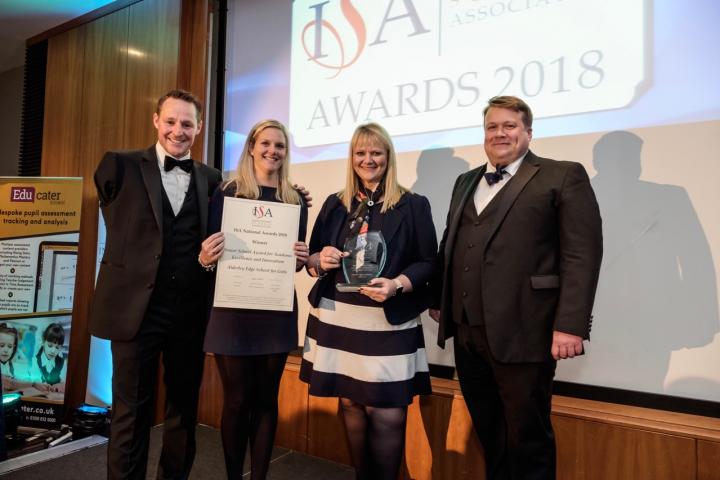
512	103
183	95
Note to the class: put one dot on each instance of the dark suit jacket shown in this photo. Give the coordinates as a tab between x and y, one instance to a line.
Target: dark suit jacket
410	236
541	261
129	187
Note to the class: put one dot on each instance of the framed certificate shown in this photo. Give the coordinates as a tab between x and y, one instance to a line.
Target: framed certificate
257	268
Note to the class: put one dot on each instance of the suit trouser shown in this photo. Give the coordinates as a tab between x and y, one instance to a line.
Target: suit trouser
175	329
510	408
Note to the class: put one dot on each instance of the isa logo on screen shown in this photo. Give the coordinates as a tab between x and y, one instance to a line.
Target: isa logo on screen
423	66
22	194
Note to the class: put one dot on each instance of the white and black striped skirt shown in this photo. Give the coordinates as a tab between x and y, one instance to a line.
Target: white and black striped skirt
352	351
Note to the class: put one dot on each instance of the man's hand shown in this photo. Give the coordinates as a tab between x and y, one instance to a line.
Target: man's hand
566	345
212	248
305	193
434	314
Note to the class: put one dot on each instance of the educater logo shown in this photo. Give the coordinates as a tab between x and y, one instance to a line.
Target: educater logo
22	194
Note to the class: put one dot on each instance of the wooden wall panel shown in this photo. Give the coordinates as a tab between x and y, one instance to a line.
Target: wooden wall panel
152	50
326	433
193	57
104	80
708	454
62	125
594	444
597	451
211	394
440	441
424	435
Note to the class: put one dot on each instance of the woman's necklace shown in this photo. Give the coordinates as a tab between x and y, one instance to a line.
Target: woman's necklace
370	196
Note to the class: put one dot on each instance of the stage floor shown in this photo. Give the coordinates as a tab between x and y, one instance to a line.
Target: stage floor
89	463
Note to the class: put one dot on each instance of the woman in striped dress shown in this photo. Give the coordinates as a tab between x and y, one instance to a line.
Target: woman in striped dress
367	348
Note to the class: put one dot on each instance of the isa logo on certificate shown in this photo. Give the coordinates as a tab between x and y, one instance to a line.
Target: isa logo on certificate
261	212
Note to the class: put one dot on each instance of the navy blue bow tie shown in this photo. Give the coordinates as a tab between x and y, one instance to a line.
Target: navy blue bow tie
172	162
494	177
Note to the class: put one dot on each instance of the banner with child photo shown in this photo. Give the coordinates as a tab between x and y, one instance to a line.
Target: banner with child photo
40	220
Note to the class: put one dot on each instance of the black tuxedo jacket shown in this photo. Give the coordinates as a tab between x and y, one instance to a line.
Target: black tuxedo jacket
540	263
410	236
129	187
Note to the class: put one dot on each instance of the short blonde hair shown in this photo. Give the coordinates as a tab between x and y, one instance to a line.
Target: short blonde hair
245	181
373	133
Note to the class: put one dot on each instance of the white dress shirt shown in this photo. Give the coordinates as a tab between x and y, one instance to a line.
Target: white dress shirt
175	182
484	192
5	369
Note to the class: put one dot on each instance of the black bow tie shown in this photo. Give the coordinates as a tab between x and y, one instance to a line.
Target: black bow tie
494	177
172	162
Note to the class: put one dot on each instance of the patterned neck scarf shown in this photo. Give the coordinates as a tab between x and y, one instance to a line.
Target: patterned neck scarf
360	217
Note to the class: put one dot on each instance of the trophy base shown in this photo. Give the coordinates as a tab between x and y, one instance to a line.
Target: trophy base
349	287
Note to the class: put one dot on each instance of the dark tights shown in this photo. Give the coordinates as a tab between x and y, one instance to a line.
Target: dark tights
376	437
250	385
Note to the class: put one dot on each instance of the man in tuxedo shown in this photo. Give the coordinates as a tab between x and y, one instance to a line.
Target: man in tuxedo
151	293
519	264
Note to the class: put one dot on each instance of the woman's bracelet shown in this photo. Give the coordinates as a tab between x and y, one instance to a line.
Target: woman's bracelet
320	272
208	268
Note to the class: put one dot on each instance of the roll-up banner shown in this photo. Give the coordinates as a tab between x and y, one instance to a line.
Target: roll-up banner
39	233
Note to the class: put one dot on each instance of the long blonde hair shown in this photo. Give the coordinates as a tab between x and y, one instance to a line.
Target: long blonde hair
370	133
245	182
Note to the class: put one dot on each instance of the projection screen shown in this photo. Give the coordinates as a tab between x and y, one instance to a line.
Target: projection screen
626	87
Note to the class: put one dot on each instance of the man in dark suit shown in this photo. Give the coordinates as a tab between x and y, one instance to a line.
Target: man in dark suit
151	293
519	264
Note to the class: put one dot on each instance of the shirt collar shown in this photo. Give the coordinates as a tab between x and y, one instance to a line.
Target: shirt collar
46	363
162	153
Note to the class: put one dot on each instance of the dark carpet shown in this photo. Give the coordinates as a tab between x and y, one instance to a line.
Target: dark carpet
90	463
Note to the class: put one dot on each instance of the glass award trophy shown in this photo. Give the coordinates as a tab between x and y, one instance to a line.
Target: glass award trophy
366	259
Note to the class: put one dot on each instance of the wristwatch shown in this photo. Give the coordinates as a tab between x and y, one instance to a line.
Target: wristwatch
398	287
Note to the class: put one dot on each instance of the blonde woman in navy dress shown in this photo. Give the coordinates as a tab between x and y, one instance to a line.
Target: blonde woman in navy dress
251	346
367	348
